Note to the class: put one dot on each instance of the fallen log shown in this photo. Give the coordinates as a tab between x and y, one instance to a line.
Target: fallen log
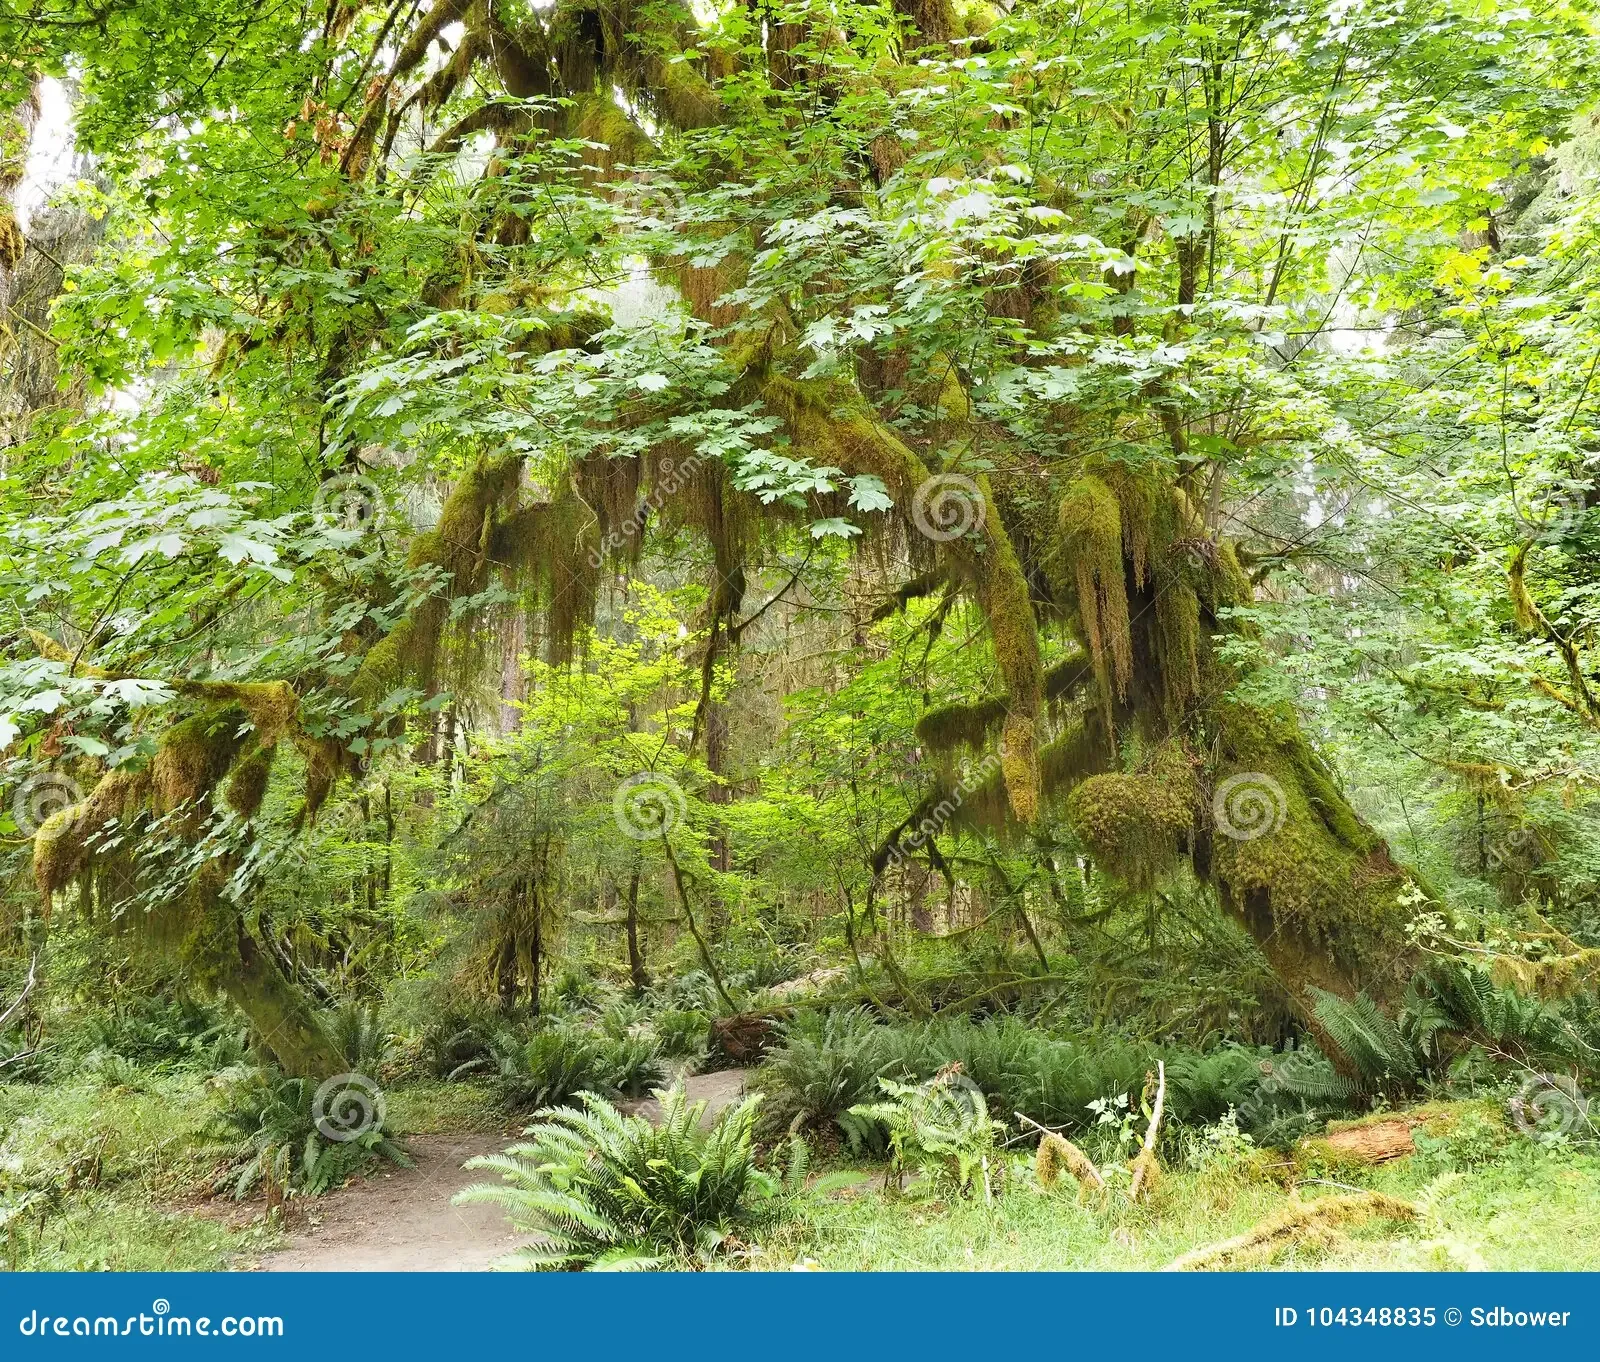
1314	1222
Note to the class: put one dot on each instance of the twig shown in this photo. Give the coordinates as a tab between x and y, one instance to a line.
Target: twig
1147	1157
27	988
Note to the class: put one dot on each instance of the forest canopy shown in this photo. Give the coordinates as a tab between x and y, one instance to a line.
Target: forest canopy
1058	508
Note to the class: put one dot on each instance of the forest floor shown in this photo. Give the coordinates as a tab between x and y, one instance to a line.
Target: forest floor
402	1219
96	1175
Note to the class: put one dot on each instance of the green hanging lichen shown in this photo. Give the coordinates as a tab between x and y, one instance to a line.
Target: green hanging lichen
1091	534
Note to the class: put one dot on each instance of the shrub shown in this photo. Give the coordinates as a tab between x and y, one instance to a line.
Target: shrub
631	1066
459	1043
272	1119
941	1127
360	1037
601	1190
683	1032
153	1031
548	1068
829	1062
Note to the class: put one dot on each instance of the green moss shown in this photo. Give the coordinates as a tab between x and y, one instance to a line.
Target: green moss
831	419
1091	533
1315	885
947	727
194	755
58	850
247	786
1178	629
1136	826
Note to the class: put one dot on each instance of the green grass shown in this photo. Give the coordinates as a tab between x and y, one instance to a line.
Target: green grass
1525	1208
92	1174
434	1107
95	1176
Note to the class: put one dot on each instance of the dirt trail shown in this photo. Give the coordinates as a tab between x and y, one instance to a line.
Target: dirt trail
401	1219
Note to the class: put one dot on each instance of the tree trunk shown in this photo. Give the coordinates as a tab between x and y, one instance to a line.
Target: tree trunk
636	971
280	1013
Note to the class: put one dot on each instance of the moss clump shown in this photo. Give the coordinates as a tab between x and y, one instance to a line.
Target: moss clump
58	850
1315	1224
1314	884
62	846
947	727
1137	826
194	756
247	786
1056	1155
272	706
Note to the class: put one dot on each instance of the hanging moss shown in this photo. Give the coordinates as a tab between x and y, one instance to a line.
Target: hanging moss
62	845
247	786
555	549
1081	751
58	850
1091	532
457	550
193	756
1178	627
947	727
1141	502
830	419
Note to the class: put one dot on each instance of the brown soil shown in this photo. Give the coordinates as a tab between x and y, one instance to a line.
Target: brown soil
401	1219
